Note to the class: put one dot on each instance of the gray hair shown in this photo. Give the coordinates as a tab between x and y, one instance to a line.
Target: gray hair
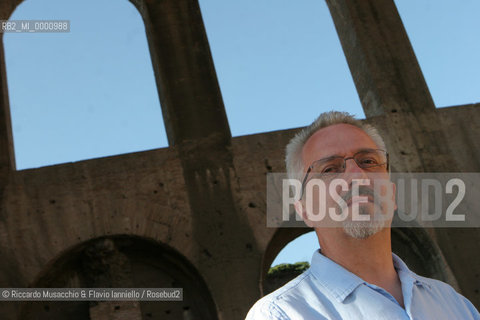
293	158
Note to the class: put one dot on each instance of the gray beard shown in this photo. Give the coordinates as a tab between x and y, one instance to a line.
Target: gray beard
364	229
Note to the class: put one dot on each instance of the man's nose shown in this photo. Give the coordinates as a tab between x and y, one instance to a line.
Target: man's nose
353	171
351	165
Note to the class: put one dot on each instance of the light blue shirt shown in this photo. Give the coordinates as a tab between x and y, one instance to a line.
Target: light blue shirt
328	291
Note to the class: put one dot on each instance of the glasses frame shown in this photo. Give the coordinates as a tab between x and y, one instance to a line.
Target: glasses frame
345	164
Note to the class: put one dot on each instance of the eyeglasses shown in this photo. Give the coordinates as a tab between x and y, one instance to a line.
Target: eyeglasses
328	168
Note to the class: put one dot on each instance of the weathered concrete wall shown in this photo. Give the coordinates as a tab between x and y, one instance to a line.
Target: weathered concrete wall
48	211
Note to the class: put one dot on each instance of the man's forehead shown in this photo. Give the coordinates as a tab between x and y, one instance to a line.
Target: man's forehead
338	139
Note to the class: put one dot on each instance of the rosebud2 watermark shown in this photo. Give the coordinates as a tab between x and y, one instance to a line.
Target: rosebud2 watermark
402	199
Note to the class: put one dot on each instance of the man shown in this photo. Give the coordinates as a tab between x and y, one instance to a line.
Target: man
354	274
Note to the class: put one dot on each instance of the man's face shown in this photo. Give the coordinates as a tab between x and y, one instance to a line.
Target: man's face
346	140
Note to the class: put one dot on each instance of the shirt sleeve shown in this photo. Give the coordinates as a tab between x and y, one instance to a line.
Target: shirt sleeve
471	307
464	307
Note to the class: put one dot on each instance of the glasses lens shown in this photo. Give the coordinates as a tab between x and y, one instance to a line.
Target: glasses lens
328	166
370	159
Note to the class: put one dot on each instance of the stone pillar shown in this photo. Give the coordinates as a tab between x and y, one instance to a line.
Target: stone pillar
380	56
186	80
197	127
390	84
7	155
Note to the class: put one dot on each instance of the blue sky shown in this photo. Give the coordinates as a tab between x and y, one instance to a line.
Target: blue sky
91	93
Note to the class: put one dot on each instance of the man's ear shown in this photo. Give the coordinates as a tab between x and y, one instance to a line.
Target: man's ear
300	209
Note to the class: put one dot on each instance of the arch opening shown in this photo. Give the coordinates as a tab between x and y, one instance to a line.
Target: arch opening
82	94
124	262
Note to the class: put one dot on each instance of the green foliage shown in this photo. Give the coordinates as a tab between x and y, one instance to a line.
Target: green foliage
284	268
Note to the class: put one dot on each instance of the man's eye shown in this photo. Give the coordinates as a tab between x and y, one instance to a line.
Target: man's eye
330	169
368	161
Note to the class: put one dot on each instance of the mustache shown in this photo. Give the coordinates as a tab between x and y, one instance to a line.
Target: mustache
362	191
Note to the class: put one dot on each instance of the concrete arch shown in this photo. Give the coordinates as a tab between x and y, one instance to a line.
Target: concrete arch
8	7
123	261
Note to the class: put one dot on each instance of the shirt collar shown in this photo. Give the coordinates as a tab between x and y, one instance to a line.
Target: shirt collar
341	283
400	266
337	280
